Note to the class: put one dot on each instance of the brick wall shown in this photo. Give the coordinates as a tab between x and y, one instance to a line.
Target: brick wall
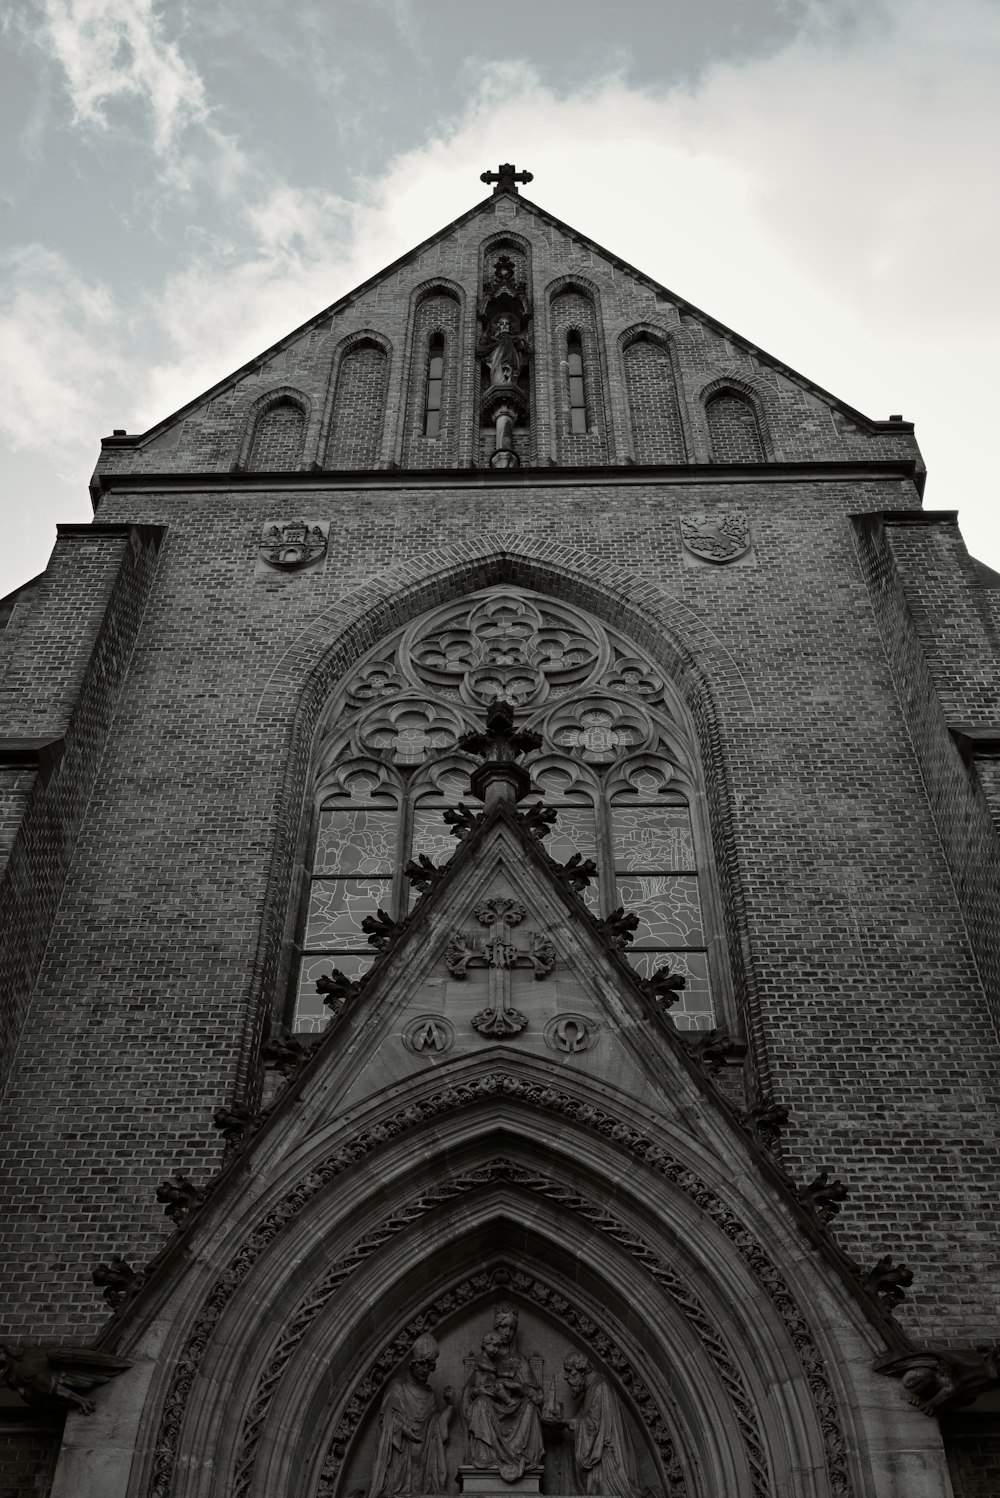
733	430
973	1446
28	1457
358	422
277	438
657	435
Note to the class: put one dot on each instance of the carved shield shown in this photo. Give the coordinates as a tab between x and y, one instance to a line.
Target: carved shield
293	543
717	535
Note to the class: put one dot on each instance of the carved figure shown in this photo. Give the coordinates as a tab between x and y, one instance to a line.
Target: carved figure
602	1448
380	929
767	1121
336	987
423	873
35	1374
284	1052
576	873
619	928
504	350
413	1430
179	1196
664	988
713	1048
235	1122
823	1196
936	1380
117	1280
500	1403
889	1282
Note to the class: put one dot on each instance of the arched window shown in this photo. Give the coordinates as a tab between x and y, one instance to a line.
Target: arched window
278	438
616	762
733	430
577	393
435	383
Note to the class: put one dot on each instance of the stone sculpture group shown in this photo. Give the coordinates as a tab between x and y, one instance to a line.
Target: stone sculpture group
506	1414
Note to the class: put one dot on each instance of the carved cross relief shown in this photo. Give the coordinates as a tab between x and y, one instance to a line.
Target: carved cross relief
498	952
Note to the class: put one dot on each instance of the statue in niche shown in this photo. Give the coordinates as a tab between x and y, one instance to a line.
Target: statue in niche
413	1430
501	1403
602	1447
504	350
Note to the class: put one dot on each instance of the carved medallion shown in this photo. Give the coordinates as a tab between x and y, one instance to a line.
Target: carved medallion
717	535
293	543
570	1033
429	1035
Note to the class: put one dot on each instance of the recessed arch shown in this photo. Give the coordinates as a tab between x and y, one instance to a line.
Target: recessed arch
287	449
352	431
651	378
736	389
437	313
573	307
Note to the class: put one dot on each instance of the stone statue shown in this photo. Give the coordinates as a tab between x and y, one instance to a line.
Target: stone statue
500	1403
412	1431
504	351
602	1448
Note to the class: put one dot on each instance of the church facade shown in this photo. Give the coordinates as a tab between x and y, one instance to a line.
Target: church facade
498	929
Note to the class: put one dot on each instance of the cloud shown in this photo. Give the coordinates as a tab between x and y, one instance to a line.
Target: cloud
62	368
115	50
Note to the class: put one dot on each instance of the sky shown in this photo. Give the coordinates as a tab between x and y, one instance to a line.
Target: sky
183	182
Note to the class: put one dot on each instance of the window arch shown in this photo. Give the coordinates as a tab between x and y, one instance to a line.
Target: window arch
582	435
358	414
616	761
437	321
734	428
655	420
276	432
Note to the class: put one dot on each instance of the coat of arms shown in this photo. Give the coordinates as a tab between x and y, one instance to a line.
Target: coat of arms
293	543
717	535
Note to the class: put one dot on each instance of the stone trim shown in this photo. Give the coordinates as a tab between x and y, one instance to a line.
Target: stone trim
546	1098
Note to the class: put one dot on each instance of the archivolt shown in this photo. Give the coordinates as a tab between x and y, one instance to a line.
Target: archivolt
423	1108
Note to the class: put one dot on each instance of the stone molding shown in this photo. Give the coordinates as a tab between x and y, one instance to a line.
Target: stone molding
550	1099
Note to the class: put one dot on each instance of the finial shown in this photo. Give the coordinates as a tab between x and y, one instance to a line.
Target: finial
500	778
506	178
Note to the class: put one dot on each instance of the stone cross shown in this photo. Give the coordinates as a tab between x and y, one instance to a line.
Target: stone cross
499	953
506	178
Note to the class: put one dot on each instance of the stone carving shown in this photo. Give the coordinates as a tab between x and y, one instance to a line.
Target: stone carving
447	1100
381	931
284	1052
937	1381
499	954
336	987
619	928
293	543
664	987
823	1197
570	1033
406	732
413	1430
501	1403
714	1049
537	819
888	1281
56	1378
506	178
717	535
500	741
461	819
429	1034
576	873
423	873
117	1281
766	1121
602	1447
235	1122
180	1196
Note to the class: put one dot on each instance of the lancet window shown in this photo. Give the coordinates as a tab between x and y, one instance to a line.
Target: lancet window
577	394
435	381
616	762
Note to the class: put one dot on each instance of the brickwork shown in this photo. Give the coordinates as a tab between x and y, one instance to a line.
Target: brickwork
973	1447
27	1462
277	439
572	311
733	430
358	421
435	314
657	434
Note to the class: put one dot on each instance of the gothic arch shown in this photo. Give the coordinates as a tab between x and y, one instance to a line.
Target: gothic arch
268	401
702	672
732	384
361	338
317	1271
661	338
584	287
420	328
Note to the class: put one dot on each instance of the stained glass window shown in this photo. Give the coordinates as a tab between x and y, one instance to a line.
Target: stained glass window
435	380
577	395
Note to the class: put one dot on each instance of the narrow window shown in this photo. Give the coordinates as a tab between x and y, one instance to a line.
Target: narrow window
577	400
435	379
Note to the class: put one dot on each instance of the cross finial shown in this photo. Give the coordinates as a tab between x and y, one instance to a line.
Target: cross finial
506	178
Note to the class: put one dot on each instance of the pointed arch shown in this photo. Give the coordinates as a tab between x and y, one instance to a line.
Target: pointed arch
651	378
352	434
736	420
274	430
437	315
573	308
470	1181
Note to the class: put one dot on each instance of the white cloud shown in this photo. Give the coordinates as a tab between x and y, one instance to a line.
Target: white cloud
117	49
62	369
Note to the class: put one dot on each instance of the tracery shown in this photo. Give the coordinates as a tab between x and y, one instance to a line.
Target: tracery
616	761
